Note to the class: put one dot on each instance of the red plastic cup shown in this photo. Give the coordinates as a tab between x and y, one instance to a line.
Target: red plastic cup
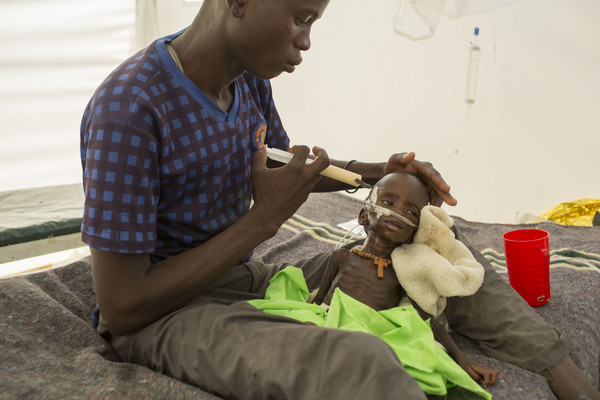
528	263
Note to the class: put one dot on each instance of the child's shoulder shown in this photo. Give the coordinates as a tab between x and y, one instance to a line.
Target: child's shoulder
339	256
341	252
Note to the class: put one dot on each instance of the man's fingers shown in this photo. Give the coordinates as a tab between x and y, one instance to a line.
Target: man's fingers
322	161
439	190
449	199
438	196
259	158
300	155
408	157
435	199
399	162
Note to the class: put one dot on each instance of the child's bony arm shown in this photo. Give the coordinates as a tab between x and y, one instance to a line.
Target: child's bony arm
481	374
328	277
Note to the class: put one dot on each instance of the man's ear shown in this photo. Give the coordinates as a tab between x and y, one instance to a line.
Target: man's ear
363	217
236	7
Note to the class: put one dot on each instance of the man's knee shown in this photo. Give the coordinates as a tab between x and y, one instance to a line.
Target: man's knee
360	365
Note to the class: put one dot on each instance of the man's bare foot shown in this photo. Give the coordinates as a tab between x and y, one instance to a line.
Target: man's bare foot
568	382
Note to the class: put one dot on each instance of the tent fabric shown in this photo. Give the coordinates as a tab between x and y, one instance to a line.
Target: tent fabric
54	55
419	19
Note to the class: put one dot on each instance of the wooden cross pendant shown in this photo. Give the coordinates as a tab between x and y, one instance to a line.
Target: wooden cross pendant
381	264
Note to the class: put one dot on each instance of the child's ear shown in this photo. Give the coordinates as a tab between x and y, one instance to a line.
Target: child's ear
363	217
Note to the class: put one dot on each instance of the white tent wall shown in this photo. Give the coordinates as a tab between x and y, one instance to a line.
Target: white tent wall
53	54
530	140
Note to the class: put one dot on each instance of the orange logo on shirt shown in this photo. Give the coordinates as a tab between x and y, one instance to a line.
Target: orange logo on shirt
259	135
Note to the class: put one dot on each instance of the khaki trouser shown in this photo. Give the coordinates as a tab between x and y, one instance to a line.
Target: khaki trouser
503	325
223	345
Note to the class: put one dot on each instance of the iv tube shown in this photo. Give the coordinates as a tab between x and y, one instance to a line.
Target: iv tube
473	67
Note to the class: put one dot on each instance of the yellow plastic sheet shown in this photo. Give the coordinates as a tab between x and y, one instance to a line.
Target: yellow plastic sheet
578	212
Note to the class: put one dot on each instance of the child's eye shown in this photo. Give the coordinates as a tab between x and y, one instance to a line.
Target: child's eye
387	203
412	212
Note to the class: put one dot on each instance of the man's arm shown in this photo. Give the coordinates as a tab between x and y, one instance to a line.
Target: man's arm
132	293
370	173
438	189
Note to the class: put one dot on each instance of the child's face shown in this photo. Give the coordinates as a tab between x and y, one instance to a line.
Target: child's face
271	34
403	194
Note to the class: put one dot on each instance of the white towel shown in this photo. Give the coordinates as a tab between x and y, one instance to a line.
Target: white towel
436	265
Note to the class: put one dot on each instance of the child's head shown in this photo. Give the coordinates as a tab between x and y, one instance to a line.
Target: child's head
396	193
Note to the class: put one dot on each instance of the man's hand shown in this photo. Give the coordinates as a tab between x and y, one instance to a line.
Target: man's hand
439	190
279	192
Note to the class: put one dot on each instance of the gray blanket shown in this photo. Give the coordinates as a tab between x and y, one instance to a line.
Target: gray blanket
49	350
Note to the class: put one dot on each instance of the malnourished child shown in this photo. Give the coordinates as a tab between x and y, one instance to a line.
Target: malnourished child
410	257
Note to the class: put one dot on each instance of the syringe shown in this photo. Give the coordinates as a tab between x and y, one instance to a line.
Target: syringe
333	172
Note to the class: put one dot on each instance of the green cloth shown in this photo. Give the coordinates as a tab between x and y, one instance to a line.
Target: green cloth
401	327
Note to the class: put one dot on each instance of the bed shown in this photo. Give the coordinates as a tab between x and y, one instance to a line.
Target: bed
49	349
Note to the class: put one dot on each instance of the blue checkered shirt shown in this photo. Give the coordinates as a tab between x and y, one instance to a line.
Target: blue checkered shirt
164	169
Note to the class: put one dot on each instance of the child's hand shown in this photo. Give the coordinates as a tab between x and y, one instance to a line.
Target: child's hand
481	374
